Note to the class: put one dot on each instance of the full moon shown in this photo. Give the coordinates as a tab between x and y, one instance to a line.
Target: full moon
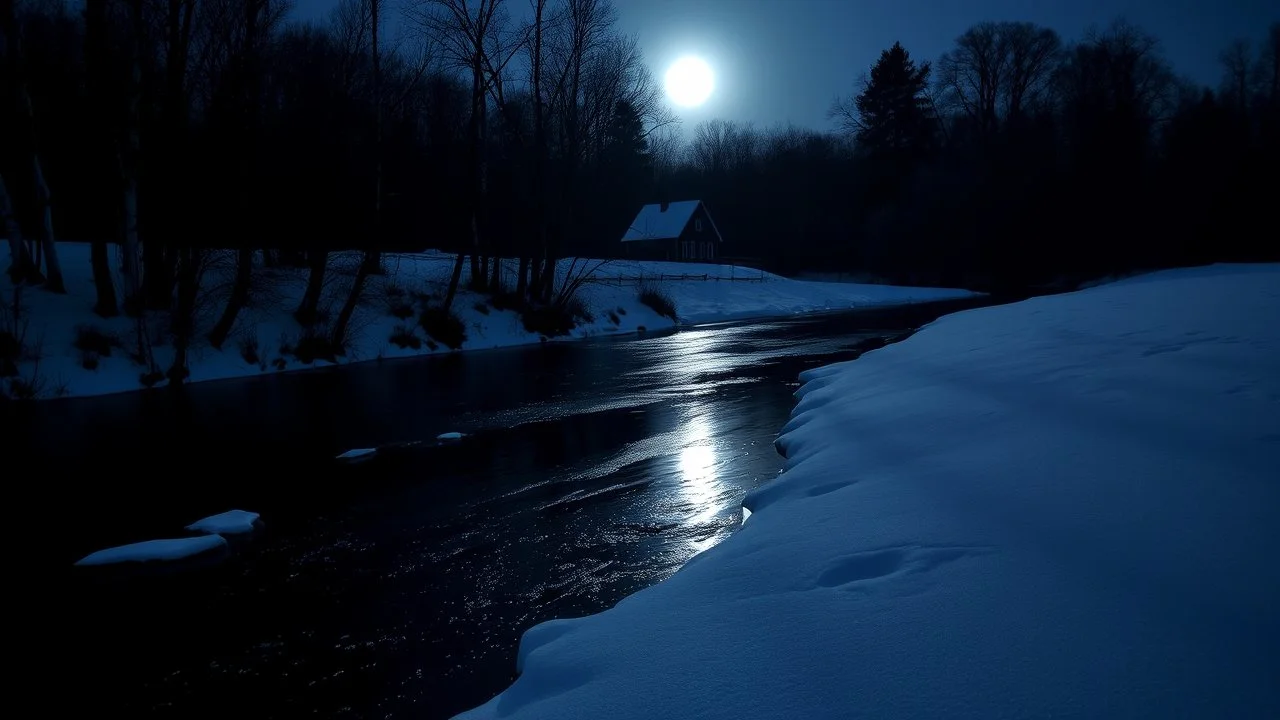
690	81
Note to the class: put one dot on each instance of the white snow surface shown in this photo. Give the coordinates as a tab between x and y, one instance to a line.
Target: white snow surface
231	522
450	436
154	550
357	454
1064	507
702	293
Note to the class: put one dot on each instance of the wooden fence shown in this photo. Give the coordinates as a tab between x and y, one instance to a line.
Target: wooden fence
602	278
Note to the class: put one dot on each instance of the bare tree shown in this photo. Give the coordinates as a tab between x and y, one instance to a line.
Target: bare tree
95	52
721	146
130	269
537	177
1268	69
13	41
996	71
1238	73
254	27
582	29
370	261
465	29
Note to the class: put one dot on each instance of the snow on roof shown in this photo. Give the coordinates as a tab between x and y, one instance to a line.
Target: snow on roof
655	223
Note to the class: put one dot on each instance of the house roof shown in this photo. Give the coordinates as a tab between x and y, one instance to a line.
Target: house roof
654	223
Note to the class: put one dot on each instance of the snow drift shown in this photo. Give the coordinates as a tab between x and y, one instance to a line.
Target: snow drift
1061	507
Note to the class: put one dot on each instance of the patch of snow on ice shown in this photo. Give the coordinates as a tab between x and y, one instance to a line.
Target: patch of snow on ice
358	454
231	522
154	550
1064	506
450	436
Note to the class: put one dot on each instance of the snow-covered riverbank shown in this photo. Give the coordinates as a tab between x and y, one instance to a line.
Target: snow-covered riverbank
50	327
1062	507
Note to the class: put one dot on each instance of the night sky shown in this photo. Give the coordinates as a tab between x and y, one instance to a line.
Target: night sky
779	61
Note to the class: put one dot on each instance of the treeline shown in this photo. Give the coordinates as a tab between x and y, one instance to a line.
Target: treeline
160	130
1013	161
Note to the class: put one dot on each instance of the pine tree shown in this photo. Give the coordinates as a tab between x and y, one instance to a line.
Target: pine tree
626	144
894	116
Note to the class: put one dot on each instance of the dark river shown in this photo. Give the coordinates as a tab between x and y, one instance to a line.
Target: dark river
400	587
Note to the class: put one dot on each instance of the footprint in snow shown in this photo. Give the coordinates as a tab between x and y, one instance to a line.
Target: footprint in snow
863	570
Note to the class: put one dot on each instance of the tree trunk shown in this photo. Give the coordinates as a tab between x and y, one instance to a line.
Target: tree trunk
373	257
53	268
160	256
105	305
338	339
13	42
495	284
548	278
307	309
24	268
522	279
182	322
239	298
95	53
371	262
453	282
248	118
539	156
129	172
535	278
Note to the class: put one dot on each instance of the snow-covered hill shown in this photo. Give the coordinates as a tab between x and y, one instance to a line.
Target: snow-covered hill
1064	507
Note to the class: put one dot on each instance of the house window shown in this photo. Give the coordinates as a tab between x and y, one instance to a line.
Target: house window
697	225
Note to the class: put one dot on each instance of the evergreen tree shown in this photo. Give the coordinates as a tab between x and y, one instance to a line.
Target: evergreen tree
626	144
894	116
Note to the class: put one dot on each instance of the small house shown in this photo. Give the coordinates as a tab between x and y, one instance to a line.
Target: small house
681	231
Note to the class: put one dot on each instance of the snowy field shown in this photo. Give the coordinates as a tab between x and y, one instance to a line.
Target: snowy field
1064	507
49	324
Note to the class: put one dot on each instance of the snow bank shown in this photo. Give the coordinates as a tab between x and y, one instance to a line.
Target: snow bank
1063	507
358	454
231	522
175	549
450	436
265	333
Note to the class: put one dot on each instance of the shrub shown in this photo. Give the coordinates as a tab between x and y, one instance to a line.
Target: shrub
658	300
554	320
398	308
249	348
314	346
90	339
10	352
23	389
403	337
505	300
622	310
613	318
89	360
149	379
482	308
446	327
